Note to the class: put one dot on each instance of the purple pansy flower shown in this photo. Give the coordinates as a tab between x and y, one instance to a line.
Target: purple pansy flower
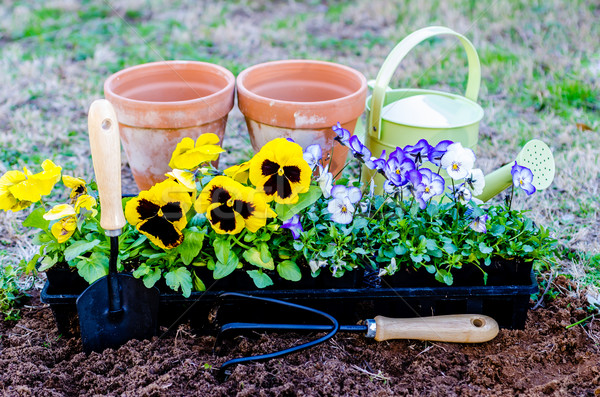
343	135
312	155
325	181
462	193
377	164
479	223
436	153
294	225
431	184
341	207
522	177
420	151
398	166
358	148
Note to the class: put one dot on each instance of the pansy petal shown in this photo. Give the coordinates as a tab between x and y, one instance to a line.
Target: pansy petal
161	232
207	139
59	211
64	229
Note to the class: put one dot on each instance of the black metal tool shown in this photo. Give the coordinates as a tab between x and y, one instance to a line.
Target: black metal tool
459	328
117	307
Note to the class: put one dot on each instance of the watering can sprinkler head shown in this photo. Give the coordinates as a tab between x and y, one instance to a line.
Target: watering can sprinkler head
536	156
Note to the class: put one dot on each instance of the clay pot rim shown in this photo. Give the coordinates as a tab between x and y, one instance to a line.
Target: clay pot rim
228	77
241	88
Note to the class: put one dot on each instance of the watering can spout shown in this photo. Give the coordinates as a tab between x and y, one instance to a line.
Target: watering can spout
536	156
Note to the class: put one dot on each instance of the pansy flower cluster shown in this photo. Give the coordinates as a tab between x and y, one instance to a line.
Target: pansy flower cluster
283	214
349	224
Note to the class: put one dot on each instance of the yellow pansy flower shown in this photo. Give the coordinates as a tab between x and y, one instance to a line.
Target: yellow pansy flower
87	202
231	206
64	228
280	171
188	156
18	190
77	186
239	172
8	201
37	185
160	213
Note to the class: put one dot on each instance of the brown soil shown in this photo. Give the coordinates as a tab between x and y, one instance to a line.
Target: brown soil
543	359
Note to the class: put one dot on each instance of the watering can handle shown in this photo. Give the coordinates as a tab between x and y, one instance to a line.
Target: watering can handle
393	60
105	144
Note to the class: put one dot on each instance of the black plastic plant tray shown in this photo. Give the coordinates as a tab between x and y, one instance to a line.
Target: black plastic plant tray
508	305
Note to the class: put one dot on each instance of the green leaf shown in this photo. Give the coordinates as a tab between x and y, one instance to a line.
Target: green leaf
36	219
329	251
400	249
191	246
450	248
41	238
497	230
484	249
360	223
47	263
298	245
151	278
260	279
94	267
180	277
527	248
141	271
286	211
254	257
31	264
360	251
78	248
225	269
265	255
289	271
222	248
198	284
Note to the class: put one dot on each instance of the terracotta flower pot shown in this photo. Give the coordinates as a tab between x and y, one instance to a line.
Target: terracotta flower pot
302	100
159	103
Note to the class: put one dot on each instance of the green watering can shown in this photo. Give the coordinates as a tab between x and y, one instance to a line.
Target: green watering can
536	156
400	117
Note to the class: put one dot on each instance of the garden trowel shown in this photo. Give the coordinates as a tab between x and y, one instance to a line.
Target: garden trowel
536	156
117	307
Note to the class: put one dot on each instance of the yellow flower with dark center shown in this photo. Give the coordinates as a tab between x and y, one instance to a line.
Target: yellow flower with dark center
280	171
160	213
231	206
66	216
77	186
188	156
238	172
19	189
64	228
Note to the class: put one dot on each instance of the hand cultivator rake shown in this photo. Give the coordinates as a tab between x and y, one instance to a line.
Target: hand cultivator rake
459	328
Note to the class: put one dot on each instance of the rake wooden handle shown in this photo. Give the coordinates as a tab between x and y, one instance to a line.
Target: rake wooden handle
105	144
459	328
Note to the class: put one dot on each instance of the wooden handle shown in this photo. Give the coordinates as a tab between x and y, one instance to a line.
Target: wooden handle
105	144
460	328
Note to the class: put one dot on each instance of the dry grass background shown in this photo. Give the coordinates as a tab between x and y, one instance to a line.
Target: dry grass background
540	79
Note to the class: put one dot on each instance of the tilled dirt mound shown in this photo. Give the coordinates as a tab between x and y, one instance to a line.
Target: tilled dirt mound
543	359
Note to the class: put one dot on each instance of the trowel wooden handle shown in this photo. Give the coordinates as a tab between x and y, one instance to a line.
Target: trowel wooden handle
105	144
460	328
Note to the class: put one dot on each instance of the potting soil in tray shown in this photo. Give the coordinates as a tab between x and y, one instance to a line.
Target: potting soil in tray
205	311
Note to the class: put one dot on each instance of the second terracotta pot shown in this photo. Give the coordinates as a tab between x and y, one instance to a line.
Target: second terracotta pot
302	100
160	103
